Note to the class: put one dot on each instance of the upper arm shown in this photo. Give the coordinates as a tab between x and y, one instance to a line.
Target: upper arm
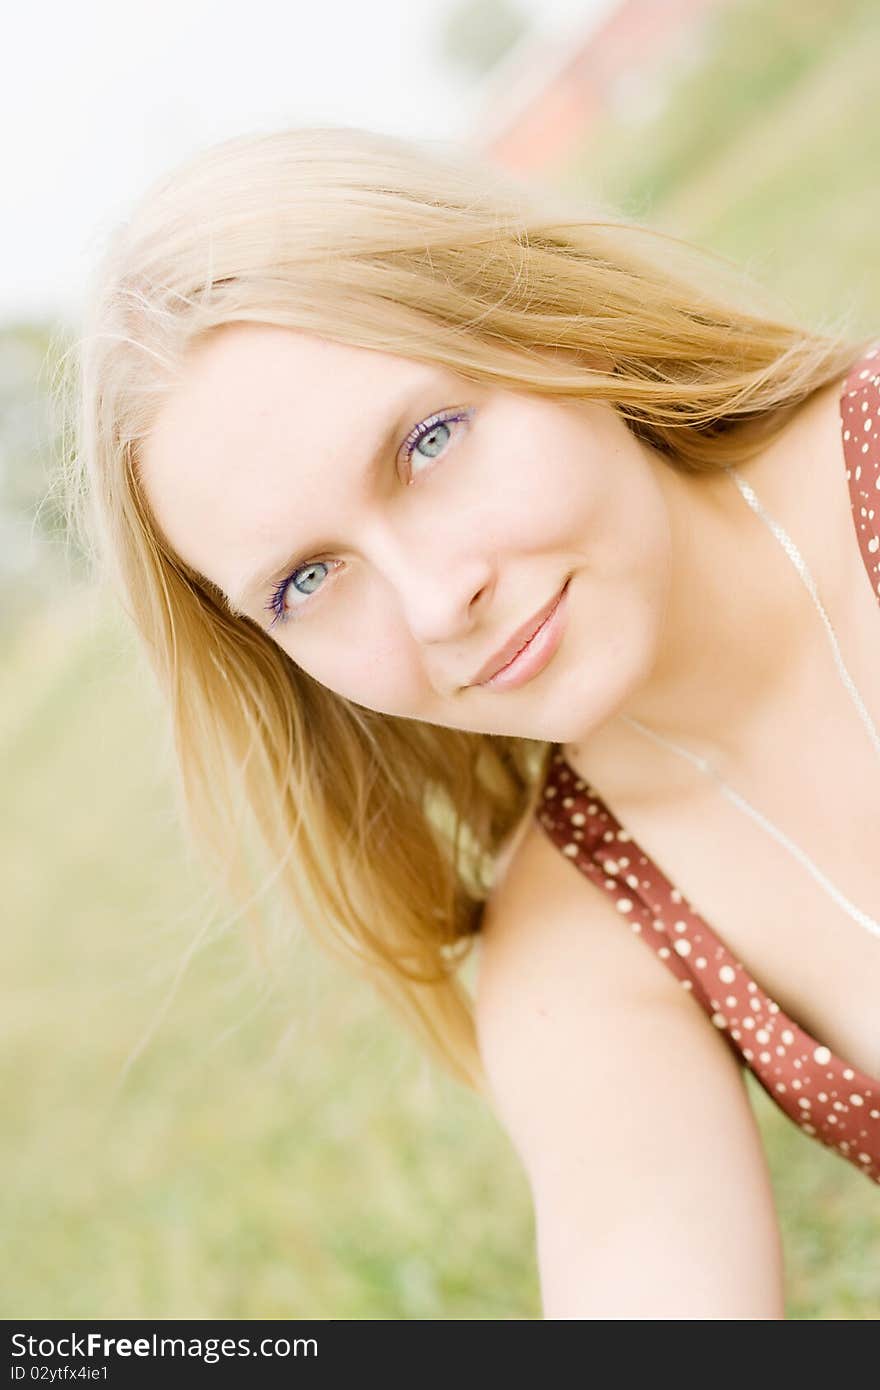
628	1111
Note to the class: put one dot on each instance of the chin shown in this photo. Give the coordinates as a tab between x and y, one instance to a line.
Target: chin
591	693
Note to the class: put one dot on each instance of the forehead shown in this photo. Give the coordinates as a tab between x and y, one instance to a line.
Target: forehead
248	430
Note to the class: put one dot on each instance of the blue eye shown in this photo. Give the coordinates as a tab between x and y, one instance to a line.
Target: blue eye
435	438
435	433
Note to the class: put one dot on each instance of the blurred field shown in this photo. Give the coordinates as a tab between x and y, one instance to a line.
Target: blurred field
243	1143
768	153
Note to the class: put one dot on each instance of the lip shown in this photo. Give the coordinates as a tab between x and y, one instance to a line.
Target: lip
529	649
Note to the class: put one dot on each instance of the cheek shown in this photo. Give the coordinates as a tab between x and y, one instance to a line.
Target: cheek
632	570
618	529
380	673
630	558
540	495
562	473
612	497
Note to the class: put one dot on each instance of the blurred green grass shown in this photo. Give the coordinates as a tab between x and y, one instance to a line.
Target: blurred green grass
276	1148
245	1142
767	152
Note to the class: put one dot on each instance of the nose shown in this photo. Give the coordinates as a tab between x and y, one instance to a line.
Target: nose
442	588
442	605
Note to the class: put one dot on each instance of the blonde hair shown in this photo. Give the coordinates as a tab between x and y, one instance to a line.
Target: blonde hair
382	832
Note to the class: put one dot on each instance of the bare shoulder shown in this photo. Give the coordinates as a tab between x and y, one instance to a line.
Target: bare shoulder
542	903
626	1107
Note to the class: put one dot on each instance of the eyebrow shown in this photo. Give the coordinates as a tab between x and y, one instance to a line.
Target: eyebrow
253	586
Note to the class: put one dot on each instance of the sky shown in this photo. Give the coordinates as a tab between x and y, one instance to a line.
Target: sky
99	97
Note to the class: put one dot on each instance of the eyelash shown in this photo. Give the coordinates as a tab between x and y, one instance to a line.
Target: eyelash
415	436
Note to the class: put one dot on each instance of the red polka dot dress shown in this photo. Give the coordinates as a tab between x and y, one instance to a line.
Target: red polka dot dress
828	1098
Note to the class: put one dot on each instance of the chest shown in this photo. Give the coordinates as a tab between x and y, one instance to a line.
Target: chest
816	778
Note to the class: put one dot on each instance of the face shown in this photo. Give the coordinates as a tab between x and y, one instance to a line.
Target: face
392	525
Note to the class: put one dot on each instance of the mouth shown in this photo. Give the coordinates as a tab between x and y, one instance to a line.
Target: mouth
536	651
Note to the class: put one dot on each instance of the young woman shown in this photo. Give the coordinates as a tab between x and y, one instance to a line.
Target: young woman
494	553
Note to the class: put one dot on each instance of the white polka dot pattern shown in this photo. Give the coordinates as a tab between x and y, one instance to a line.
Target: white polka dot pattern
860	422
822	1094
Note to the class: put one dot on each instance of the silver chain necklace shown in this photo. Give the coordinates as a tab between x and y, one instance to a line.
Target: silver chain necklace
856	913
